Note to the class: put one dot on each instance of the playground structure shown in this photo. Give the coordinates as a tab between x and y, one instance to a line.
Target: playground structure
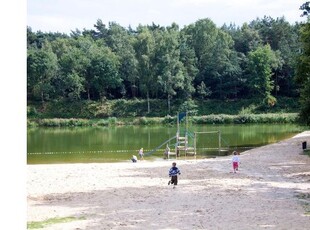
186	141
183	137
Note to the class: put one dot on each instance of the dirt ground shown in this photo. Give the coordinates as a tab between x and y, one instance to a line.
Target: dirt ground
271	190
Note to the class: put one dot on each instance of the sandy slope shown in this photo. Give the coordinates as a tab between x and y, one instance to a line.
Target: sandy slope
270	191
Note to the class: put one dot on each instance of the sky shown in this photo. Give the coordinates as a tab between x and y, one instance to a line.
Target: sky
65	16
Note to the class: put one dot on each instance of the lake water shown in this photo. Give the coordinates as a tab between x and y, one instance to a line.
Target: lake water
115	144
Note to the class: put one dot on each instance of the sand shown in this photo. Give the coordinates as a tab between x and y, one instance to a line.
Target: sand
271	190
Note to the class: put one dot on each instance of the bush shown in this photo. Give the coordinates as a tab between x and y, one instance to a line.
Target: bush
112	120
32	111
56	122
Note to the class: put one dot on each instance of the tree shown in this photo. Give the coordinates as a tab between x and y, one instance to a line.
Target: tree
169	68
246	39
103	69
216	59
305	9
73	56
189	61
121	43
303	69
42	67
282	37
145	50
224	67
71	78
261	62
203	91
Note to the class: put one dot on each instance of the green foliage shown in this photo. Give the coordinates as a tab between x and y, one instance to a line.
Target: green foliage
248	110
32	111
99	110
307	151
42	67
303	75
31	123
140	121
169	120
57	122
156	62
305	8
304	114
64	109
138	108
189	106
268	118
245	119
112	120
260	65
203	91
155	71
102	122
148	121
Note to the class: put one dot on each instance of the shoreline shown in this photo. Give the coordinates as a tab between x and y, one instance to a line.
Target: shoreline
271	190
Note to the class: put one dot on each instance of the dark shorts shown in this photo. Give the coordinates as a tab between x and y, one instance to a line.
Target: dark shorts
174	180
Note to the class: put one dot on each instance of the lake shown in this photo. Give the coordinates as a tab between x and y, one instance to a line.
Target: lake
119	143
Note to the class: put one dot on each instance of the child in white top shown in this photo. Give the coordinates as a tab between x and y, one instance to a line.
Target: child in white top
235	161
141	153
134	159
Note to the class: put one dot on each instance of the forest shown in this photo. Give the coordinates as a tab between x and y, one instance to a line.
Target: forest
265	60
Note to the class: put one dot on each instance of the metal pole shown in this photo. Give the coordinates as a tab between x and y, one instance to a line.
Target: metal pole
177	137
219	142
195	143
178	122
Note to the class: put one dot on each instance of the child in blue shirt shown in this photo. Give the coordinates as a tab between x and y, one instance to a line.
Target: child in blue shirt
173	173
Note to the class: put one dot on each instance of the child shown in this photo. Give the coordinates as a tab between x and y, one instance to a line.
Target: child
134	159
141	153
167	152
235	161
173	173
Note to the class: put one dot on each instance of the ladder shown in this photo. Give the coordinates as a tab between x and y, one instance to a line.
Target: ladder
182	138
183	146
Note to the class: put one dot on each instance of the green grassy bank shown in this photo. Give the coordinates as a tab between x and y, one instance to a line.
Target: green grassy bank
135	112
206	119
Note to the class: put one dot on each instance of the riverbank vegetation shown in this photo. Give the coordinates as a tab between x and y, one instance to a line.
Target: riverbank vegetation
134	112
156	71
168	120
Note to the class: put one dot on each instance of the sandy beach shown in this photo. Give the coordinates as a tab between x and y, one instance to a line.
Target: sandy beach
271	190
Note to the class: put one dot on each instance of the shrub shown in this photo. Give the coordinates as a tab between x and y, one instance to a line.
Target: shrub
112	120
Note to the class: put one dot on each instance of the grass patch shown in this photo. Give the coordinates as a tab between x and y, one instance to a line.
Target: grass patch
307	152
305	201
51	221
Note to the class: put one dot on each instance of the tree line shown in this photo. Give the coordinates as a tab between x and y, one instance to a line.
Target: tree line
259	59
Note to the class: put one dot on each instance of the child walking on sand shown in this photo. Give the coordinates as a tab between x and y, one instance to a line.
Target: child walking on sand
173	173
141	153
235	161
